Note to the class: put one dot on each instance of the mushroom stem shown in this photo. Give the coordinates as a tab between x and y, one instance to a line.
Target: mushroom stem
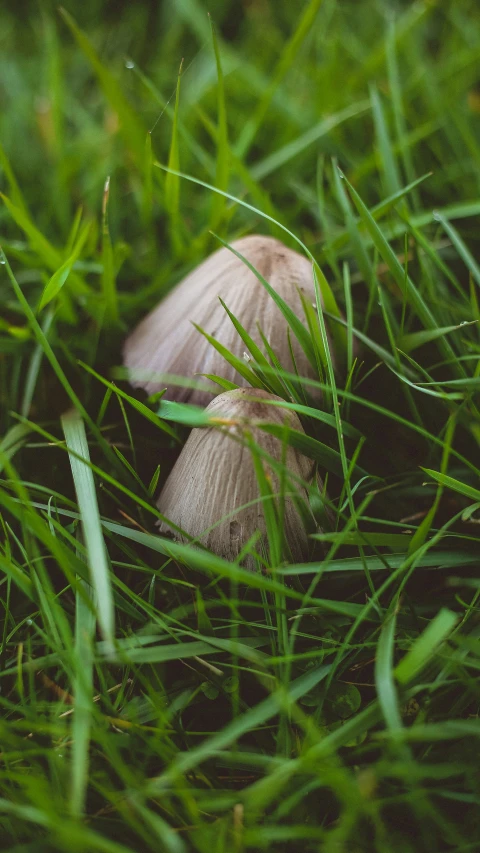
233	480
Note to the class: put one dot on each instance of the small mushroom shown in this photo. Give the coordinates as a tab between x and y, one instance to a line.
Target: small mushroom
214	477
166	342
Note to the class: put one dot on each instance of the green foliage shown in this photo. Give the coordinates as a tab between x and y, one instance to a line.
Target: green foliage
155	696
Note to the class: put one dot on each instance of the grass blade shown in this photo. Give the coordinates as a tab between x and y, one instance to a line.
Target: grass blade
460	246
172	182
130	124
403	281
109	287
452	483
223	151
384	680
426	645
85	624
76	439
286	60
58	279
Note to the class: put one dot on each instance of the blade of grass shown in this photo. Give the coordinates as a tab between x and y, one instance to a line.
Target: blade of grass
136	404
208	563
272	162
130	124
390	168
296	326
59	278
76	440
460	245
223	153
42	340
426	645
85	624
403	281
172	182
16	193
147	198
423	531
285	62
239	365
109	287
384	680
452	483
251	719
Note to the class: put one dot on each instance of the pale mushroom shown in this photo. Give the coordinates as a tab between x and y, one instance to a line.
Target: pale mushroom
167	342
214	477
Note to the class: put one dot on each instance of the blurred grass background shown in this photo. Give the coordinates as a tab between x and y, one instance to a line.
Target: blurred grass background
346	719
64	134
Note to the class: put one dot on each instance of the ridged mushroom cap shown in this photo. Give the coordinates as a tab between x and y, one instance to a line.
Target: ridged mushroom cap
166	342
214	476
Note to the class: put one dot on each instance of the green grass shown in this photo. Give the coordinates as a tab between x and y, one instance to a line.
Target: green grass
155	697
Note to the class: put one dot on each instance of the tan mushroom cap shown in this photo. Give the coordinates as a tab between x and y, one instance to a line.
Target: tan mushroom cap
214	476
166	342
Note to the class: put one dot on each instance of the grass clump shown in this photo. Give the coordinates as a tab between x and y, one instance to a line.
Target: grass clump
154	696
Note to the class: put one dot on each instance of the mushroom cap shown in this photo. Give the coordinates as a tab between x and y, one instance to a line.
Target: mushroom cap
166	342
214	476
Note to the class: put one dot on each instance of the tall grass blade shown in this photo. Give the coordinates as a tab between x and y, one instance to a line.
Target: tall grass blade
76	440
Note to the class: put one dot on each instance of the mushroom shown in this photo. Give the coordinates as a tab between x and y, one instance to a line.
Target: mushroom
166	342
212	492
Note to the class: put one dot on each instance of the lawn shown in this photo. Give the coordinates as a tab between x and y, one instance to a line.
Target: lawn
155	696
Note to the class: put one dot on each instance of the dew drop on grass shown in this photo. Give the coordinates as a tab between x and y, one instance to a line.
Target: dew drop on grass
129	63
